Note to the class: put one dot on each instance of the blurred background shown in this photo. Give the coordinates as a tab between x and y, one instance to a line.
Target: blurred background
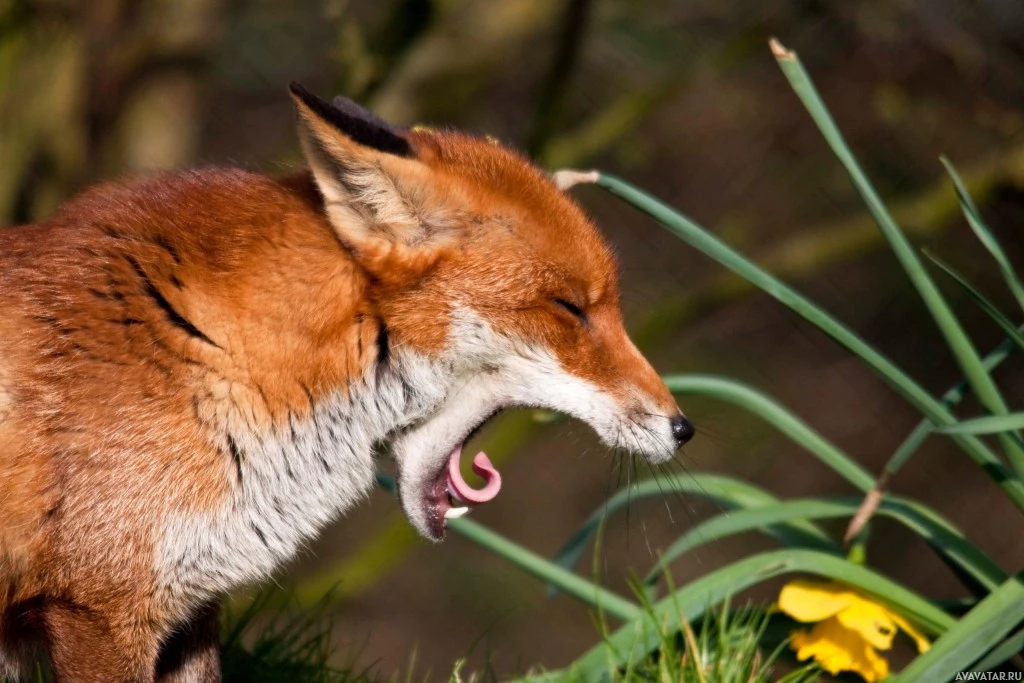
680	97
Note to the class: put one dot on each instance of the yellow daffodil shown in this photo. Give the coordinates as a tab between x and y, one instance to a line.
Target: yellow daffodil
848	630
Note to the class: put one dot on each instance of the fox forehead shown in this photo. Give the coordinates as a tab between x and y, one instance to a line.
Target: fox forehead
498	182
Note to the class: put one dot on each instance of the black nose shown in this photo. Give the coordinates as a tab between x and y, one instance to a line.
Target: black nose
682	430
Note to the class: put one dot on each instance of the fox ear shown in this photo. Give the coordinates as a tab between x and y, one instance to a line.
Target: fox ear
377	193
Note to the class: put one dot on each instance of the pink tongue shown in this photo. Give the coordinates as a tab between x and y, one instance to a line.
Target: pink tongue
483	467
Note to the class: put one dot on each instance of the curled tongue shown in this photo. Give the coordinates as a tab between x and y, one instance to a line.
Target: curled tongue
458	487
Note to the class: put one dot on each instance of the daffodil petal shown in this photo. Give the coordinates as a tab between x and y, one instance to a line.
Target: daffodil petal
810	601
837	648
920	640
870	620
815	644
878	664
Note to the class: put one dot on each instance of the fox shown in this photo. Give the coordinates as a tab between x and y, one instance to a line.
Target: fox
199	370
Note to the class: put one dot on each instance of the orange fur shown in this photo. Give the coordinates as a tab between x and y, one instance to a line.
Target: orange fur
146	315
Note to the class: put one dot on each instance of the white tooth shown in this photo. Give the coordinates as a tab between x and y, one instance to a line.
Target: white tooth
455	513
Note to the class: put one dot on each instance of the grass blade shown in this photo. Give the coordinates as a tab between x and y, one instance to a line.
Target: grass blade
980	629
917	437
725	491
1008	648
983	302
633	641
596	596
985	236
777	416
914	393
993	424
952	397
941	535
586	591
956	338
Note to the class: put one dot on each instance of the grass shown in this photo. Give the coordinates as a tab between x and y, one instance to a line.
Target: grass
272	641
723	646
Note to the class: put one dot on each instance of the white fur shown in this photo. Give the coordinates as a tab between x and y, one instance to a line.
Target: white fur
295	480
516	373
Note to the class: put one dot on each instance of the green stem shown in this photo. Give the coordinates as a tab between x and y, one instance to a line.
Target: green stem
544	569
903	384
956	338
586	591
776	415
952	397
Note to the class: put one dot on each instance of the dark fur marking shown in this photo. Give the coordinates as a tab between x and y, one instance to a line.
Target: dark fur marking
109	296
46	320
173	316
112	232
164	369
312	416
359	336
259	532
51	514
236	456
309	395
263	396
383	348
323	461
161	241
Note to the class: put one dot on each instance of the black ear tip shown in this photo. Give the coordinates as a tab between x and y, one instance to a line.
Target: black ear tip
313	102
300	91
354	121
344	103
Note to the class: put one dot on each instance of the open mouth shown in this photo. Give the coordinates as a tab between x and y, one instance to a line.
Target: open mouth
450	496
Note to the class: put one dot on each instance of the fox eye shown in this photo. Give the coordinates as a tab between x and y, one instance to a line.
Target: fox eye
576	311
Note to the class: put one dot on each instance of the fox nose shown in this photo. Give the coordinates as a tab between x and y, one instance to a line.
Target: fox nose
682	429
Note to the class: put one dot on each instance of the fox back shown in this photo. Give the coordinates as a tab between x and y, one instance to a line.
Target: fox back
197	372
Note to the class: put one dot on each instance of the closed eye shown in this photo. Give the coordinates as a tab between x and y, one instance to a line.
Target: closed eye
577	312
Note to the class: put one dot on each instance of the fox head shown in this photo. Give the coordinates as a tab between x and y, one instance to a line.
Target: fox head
495	280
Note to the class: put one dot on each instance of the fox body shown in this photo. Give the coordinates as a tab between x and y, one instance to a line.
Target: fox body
197	369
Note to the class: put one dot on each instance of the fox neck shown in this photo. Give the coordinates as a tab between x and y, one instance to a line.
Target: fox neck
297	403
293	479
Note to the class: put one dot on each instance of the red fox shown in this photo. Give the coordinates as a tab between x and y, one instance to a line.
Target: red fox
197	370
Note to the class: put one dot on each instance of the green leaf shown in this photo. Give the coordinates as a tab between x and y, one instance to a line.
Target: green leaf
971	637
985	236
956	338
586	591
777	416
1008	648
993	424
914	393
952	397
635	640
984	304
925	522
725	491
